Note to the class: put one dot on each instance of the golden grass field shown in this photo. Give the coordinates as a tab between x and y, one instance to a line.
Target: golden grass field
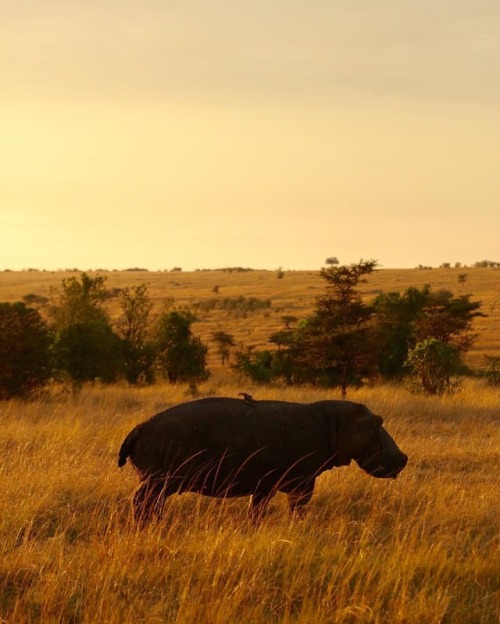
422	549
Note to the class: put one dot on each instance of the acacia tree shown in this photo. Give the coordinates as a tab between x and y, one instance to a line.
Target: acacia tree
448	319
224	343
335	343
332	260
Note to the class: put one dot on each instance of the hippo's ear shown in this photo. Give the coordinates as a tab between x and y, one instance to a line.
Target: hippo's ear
348	422
363	416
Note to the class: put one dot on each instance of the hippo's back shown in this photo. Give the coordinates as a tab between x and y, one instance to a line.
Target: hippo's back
233	439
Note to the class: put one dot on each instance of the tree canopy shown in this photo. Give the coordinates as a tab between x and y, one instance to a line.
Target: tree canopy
25	340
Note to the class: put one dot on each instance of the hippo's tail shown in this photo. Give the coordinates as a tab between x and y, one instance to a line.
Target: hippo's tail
127	446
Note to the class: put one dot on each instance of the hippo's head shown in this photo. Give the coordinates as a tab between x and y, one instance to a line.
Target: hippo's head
362	437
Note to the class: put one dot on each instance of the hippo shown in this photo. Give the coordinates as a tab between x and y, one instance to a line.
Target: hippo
226	447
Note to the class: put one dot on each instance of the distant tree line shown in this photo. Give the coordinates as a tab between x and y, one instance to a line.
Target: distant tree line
487	264
418	335
76	341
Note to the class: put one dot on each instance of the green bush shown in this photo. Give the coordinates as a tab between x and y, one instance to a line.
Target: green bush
433	365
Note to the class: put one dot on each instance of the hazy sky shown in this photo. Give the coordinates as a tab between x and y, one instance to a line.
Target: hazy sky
212	133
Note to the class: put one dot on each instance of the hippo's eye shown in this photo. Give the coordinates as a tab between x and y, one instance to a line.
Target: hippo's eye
378	421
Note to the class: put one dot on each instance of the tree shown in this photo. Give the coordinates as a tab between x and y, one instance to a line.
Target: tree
134	330
288	319
395	315
444	334
88	352
448	318
281	338
85	346
224	343
434	364
80	300
405	320
258	365
286	363
180	355
336	342
25	342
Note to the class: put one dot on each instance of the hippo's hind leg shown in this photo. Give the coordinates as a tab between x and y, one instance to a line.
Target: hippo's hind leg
149	499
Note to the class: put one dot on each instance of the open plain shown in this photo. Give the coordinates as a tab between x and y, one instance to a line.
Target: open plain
422	548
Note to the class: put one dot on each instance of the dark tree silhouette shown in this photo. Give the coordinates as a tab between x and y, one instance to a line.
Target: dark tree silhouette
24	350
181	355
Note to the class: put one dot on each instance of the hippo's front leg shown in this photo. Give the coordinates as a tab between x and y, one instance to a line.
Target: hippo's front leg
149	500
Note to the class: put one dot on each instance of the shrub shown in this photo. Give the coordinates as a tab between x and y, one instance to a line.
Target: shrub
492	371
25	341
433	365
258	366
181	356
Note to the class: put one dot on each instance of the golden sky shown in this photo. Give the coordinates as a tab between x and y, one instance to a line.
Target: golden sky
204	134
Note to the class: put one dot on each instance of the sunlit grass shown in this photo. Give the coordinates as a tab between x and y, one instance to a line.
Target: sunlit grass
422	548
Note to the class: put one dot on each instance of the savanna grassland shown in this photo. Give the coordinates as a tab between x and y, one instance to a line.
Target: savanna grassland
420	549
294	295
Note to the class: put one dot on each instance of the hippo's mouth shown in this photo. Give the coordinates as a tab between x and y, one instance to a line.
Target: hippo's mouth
382	473
378	470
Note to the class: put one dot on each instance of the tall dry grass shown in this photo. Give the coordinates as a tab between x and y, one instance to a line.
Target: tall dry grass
420	549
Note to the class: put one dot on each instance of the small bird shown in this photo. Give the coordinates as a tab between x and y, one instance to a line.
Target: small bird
248	398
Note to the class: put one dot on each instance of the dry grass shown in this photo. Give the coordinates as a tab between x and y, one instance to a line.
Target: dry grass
422	549
419	549
294	295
